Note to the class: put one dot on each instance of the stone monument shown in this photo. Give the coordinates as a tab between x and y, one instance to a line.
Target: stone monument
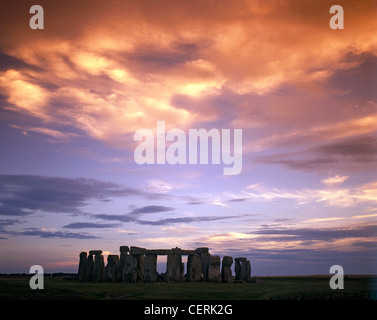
135	264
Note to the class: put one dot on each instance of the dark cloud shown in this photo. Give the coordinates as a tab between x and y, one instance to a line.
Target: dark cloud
9	210
154	59
21	195
86	225
115	217
6	223
131	217
11	62
366	244
365	147
195	201
54	234
356	82
168	221
152	209
238	200
323	234
357	153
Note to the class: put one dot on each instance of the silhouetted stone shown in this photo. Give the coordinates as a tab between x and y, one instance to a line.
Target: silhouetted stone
203	252
123	255
83	266
89	268
194	268
94	252
132	268
138	250
139	264
174	270
248	271
214	269
205	259
129	271
112	268
242	269
140	267
124	249
150	268
199	251
99	267
226	272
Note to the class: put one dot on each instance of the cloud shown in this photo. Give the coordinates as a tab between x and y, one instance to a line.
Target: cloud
169	221
114	217
5	223
334	181
89	225
195	201
133	217
355	154
13	210
151	209
24	94
333	195
159	186
11	62
54	234
21	195
222	53
364	146
53	133
309	248
322	234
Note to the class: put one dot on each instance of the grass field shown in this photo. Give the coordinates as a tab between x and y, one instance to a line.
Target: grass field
264	288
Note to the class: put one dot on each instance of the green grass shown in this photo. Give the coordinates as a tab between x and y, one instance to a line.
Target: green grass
265	288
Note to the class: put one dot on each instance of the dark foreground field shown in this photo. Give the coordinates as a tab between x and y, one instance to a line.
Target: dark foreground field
264	288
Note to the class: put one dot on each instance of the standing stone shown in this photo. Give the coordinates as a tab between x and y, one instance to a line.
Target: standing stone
214	269
150	268
89	268
204	257
129	272
123	253
238	268
194	268
247	271
112	268
133	268
242	269
140	267
99	267
174	268
83	266
226	272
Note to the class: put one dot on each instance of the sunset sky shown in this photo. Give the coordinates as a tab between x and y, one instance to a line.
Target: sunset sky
73	95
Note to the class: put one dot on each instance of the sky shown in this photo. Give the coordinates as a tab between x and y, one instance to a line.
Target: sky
73	95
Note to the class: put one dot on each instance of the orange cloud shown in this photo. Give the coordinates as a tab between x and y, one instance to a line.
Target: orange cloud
117	70
334	181
24	94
